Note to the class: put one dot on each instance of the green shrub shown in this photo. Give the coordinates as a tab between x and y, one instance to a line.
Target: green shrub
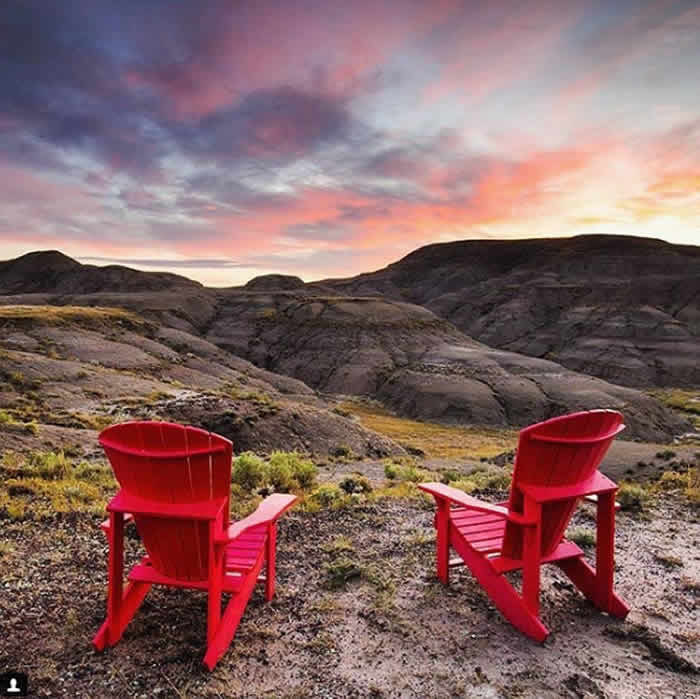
355	484
302	470
340	571
49	465
407	472
327	494
665	455
391	471
585	538
279	475
248	471
468	486
632	497
447	476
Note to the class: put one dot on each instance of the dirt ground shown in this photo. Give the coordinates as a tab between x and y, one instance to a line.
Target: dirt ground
391	630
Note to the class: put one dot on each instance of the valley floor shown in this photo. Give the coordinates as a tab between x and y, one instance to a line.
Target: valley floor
388	630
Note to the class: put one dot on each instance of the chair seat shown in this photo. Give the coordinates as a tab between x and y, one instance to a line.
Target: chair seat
242	554
482	531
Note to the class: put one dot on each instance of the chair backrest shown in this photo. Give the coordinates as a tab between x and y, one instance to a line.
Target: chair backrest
169	463
558	452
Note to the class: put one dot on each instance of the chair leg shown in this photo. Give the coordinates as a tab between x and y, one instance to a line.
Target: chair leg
121	606
513	607
270	555
215	585
442	523
134	595
228	625
597	585
531	557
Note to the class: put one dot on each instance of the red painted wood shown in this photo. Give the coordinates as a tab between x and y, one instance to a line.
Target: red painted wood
543	462
175	483
595	483
116	576
605	548
446	492
204	510
443	542
556	465
270	561
567	549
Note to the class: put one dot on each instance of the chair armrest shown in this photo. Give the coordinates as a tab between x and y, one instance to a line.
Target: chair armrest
105	526
204	510
445	492
597	483
268	511
459	497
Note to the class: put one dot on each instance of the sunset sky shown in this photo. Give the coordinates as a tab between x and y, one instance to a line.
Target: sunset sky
222	139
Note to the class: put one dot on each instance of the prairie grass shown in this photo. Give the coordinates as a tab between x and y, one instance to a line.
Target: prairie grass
38	485
65	314
436	441
685	401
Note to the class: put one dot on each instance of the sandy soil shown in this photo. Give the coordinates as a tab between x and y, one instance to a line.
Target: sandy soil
392	630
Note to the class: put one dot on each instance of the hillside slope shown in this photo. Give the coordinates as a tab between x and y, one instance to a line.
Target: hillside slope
622	308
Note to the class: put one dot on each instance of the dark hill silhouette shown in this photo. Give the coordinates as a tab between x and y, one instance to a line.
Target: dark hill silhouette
270	282
624	308
52	271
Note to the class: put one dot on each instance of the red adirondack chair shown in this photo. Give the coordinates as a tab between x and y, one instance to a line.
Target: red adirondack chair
556	465
175	485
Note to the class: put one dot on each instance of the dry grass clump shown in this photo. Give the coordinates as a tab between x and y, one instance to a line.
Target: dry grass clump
65	314
39	485
683	400
9	422
435	441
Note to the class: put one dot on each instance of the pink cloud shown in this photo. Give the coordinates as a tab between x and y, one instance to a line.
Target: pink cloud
294	45
487	60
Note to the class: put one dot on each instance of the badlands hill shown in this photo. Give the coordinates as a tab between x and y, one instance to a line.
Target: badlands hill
403	354
623	308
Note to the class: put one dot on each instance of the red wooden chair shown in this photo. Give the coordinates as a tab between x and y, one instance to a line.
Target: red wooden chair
556	465
175	484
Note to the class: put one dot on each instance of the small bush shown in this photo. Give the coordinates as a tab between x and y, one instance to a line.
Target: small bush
340	571
327	494
342	451
448	476
585	538
279	475
498	481
670	480
303	470
467	485
248	471
49	465
632	497
355	484
407	472
665	455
